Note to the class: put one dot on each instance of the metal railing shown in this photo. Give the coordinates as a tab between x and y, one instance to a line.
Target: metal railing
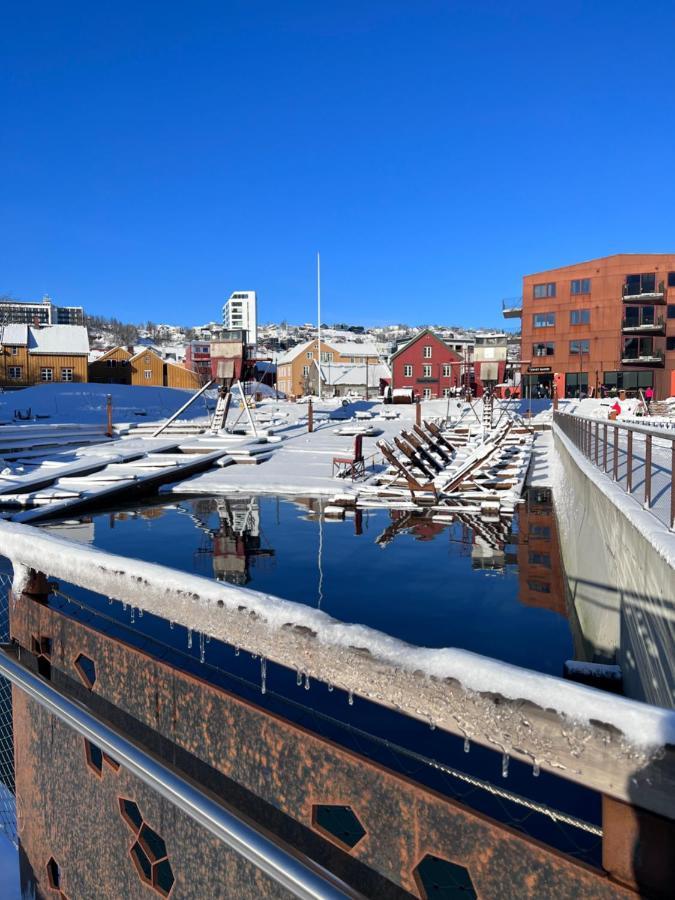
639	459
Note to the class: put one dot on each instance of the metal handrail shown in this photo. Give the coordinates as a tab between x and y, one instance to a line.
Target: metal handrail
585	434
295	872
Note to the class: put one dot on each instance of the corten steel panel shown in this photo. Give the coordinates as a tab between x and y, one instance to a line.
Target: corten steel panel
68	812
292	769
605	302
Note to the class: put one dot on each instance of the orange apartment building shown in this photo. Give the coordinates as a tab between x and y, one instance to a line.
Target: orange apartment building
608	321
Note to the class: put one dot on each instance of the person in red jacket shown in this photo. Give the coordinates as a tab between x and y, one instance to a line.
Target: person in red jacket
649	396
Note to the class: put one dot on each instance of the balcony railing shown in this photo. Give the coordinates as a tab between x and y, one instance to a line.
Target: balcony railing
632	295
643	358
656	326
512	308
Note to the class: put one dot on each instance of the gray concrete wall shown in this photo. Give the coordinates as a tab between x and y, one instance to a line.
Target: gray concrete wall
619	565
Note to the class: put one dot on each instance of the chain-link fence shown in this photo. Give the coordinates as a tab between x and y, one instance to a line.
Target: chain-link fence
7	784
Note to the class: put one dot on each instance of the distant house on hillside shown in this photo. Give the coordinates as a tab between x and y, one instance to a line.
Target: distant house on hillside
35	354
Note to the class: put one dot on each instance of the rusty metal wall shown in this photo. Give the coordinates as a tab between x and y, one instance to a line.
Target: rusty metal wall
282	771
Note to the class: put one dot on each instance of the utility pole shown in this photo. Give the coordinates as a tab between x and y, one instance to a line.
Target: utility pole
318	306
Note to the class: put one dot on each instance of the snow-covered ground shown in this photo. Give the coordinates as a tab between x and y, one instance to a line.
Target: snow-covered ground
86	403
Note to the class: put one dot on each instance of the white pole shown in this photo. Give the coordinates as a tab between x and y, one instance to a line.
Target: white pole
318	305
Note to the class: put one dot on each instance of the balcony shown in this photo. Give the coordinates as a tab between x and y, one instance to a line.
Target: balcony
512	308
645	292
653	358
655	326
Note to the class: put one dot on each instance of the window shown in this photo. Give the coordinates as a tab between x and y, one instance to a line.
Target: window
644	283
407	371
94	757
670	343
671	310
447	371
629	381
581	286
427	351
149	852
543	349
539	559
310	355
326	357
46	374
580	346
86	669
66	374
111	363
305	370
14	373
339	822
426	371
540	531
446	392
580	316
14	351
544	290
671	279
540	587
426	394
147	374
543	320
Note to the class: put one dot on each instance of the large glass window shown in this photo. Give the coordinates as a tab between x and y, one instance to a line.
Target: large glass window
644	283
580	316
543	320
582	346
629	381
671	279
639	348
671	310
544	290
576	384
670	343
545	348
581	286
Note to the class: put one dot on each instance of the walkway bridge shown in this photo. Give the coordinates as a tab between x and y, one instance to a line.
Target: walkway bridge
211	787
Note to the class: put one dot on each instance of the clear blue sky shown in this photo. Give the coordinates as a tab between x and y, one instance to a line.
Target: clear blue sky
157	156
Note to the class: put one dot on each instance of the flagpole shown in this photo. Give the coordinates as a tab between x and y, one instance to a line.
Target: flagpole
318	306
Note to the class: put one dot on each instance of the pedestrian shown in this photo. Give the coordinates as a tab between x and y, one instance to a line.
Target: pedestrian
649	396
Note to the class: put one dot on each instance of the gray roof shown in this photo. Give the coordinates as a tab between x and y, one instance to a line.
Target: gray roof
14	335
353	374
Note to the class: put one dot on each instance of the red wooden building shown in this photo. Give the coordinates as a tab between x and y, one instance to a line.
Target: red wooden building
428	366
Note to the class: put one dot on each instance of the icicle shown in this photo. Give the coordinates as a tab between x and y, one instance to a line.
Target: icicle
467	745
330	687
171	624
208	638
124	607
110	601
263	675
254	655
306	682
350	698
202	648
432	725
189	638
298	677
505	765
133	613
236	651
535	770
140	613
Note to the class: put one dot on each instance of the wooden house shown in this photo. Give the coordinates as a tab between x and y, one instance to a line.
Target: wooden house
111	368
148	368
32	354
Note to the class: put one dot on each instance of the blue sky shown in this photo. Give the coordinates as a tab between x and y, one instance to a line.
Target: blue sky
156	156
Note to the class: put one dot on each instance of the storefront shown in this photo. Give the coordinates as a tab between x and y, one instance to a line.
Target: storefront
631	382
538	382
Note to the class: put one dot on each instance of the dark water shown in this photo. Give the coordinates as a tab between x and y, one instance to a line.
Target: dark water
494	591
427	583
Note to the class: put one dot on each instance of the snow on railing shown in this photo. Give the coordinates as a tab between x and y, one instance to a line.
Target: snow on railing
609	743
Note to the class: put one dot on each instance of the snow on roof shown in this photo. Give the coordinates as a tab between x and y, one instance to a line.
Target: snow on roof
344	348
14	335
65	339
353	373
355	348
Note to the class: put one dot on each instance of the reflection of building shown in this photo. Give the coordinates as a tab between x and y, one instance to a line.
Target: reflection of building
539	565
236	543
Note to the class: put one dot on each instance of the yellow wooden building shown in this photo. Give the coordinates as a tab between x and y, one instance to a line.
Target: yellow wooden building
295	365
111	368
32	354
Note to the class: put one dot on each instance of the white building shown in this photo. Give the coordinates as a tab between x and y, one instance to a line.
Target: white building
240	311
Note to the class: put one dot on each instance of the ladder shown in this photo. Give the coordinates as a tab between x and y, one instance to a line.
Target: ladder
487	412
220	413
